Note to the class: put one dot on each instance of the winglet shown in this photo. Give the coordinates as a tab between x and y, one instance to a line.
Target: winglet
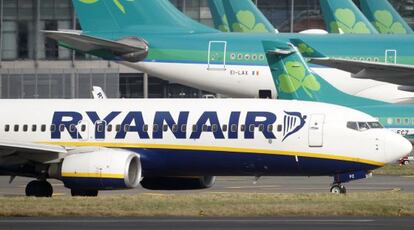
306	50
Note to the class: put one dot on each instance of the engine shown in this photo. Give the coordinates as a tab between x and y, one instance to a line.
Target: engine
105	169
178	183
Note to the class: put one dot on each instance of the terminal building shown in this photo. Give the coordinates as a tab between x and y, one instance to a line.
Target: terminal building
33	66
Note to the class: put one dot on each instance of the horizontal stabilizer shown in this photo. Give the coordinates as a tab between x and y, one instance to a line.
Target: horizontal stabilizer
385	72
130	49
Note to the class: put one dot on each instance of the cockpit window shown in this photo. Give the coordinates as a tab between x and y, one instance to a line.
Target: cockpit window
352	125
375	125
362	126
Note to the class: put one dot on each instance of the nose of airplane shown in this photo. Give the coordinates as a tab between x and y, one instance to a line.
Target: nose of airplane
396	147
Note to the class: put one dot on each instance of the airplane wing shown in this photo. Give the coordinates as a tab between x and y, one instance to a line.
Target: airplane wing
386	72
131	49
16	152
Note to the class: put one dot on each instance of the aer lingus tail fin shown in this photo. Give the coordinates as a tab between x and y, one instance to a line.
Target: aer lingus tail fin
384	17
295	81
134	15
343	16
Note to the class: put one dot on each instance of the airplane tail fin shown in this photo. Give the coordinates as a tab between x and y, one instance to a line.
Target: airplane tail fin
134	15
219	16
343	16
384	17
239	16
295	81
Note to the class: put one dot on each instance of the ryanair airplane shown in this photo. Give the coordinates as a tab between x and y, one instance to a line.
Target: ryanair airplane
171	144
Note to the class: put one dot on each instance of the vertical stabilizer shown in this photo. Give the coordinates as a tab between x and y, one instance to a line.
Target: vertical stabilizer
343	16
219	17
295	81
134	15
244	16
384	17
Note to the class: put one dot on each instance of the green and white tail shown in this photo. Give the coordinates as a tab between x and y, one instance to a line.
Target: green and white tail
295	81
343	16
239	16
134	15
384	17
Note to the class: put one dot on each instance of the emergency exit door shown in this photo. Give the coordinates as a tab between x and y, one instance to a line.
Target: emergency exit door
217	55
316	130
391	56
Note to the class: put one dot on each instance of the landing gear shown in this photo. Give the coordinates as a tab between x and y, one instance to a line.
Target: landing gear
39	188
89	193
338	189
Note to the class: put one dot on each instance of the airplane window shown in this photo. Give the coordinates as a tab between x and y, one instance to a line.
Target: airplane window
233	128
194	128
261	127
34	128
398	120
126	128
155	128
61	127
16	128
72	128
242	128
52	128
118	128
145	128
100	127
25	128
83	128
279	128
352	125
375	125
183	128
109	128
7	128
214	128
363	126
43	128
205	128
225	128
174	128
406	121
165	128
251	128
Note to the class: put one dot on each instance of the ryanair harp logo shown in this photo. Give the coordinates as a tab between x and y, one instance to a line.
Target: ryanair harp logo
292	123
116	2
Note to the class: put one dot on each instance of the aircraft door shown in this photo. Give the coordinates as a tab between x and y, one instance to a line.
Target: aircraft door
316	130
391	56
83	130
100	130
217	55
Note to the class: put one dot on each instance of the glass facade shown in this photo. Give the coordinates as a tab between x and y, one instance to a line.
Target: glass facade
27	58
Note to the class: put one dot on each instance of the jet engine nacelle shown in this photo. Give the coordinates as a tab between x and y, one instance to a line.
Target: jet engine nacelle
178	183
105	169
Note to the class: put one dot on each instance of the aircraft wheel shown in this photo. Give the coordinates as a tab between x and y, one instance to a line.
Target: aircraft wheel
338	189
89	193
39	188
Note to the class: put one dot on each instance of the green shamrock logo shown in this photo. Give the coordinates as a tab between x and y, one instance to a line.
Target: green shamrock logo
247	23
296	78
305	49
225	26
384	22
116	2
346	22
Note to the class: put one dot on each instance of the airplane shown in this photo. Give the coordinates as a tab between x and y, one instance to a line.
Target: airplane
181	144
204	58
343	80
221	61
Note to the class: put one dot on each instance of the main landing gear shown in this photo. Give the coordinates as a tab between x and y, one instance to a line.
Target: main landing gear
39	188
338	189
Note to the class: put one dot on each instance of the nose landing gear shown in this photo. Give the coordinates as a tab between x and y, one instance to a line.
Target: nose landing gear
39	188
338	189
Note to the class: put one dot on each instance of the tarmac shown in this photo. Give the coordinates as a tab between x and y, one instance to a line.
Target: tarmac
244	184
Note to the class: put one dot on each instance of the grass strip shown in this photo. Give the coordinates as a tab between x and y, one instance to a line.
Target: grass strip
396	170
215	205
